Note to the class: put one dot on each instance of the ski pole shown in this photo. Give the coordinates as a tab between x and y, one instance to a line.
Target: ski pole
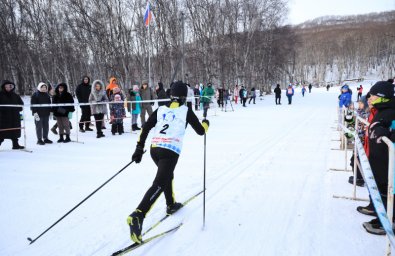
75	207
204	183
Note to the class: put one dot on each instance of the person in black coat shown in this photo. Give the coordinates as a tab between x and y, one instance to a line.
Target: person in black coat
41	114
196	93
62	112
161	94
10	120
382	99
82	92
277	92
310	87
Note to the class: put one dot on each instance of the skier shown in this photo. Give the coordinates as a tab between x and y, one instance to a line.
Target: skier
303	90
207	94
170	125
310	87
328	87
277	92
290	92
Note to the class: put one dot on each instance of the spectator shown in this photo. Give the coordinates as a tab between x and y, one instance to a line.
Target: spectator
10	118
82	92
236	93
98	95
135	107
146	94
117	114
161	94
382	98
310	87
277	92
196	93
41	114
62	96
190	96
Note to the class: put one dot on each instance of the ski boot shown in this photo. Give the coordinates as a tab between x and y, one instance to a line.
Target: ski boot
135	222
173	208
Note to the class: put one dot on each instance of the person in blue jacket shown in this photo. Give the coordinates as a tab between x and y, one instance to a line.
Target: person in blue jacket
290	92
345	97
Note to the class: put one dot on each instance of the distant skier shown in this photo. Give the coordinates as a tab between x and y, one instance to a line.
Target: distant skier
207	94
290	93
252	96
170	124
277	92
310	87
328	87
303	90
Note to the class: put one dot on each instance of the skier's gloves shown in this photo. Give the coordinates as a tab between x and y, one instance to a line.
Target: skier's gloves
138	154
36	117
205	124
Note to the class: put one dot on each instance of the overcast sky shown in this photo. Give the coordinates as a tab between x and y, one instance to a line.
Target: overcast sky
303	10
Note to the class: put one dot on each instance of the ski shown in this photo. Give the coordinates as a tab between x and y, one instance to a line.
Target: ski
145	241
135	245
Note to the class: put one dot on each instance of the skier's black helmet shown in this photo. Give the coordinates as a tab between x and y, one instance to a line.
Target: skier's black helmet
179	91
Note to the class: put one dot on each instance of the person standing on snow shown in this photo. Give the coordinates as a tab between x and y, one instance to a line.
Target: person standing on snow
196	93
169	123
62	112
277	92
161	94
41	114
82	92
383	100
135	107
10	119
117	114
207	95
98	95
290	93
252	95
146	107
360	91
236	93
310	87
303	90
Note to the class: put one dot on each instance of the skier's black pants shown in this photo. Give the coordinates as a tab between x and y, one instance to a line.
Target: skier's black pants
85	116
279	99
166	161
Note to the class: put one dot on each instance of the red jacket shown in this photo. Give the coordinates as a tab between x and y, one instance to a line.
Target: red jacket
373	112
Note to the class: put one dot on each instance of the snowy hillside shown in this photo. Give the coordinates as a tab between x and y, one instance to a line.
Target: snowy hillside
269	189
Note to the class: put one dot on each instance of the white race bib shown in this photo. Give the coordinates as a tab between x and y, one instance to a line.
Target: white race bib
170	128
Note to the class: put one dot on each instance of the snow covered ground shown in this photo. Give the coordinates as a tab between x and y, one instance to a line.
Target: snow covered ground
269	189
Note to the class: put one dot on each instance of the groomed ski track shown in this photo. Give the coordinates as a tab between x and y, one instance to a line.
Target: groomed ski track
269	189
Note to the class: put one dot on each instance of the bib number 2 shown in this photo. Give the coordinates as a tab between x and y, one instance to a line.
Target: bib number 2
165	127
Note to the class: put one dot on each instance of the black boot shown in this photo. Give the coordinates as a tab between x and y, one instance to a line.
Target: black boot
173	208
61	139
135	222
67	138
15	144
134	127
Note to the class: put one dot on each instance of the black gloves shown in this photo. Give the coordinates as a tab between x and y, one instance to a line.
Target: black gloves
138	154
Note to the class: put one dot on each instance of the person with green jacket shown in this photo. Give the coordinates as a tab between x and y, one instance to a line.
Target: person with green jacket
206	97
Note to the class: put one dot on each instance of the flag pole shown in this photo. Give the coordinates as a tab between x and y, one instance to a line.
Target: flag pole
149	53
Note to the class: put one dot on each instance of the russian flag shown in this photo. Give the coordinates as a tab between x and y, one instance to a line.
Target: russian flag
147	15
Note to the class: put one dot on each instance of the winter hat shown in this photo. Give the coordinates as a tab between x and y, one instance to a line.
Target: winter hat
178	89
4	82
117	97
41	85
144	82
209	84
345	87
382	89
160	84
